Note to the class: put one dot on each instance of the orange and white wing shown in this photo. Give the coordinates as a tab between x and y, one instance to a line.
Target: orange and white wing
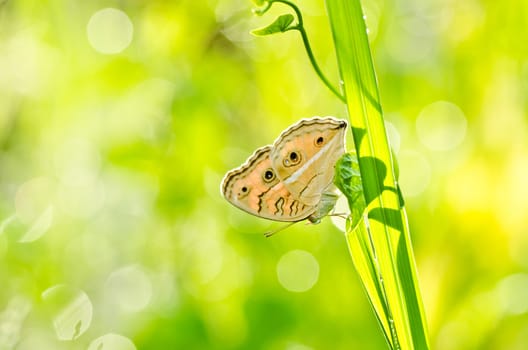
304	156
255	188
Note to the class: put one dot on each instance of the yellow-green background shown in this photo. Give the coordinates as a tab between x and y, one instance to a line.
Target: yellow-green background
113	162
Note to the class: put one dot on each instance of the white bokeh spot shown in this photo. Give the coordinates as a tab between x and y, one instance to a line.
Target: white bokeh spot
130	288
34	207
298	271
70	309
109	31
441	126
112	341
511	293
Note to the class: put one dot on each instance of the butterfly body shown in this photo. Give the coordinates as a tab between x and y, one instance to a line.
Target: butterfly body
292	179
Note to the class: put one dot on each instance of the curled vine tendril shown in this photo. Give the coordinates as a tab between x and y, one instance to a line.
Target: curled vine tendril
299	26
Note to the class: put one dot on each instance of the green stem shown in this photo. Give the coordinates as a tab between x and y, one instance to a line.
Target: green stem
304	36
316	67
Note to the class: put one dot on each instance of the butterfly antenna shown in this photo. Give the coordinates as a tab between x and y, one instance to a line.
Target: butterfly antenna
340	215
271	233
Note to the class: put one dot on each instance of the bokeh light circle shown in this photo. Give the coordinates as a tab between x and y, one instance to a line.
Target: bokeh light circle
130	288
512	294
112	341
415	173
70	309
441	126
297	271
109	31
34	207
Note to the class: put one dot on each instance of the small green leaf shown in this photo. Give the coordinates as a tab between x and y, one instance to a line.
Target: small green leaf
280	25
348	180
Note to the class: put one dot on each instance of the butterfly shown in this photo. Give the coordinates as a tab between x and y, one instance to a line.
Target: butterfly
291	180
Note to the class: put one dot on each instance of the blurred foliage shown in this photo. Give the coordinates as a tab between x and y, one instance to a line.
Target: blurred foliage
111	220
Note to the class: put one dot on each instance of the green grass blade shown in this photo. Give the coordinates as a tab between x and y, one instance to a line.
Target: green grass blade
380	244
364	260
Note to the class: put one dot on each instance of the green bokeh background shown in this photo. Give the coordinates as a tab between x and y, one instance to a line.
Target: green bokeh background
110	166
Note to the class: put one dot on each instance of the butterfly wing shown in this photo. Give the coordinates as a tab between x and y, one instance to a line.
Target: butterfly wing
255	188
305	154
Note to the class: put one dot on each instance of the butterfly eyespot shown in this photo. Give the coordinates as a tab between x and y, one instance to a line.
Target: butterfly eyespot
244	191
319	141
292	159
269	175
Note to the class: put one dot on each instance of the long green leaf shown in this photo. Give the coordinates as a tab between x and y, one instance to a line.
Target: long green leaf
380	243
